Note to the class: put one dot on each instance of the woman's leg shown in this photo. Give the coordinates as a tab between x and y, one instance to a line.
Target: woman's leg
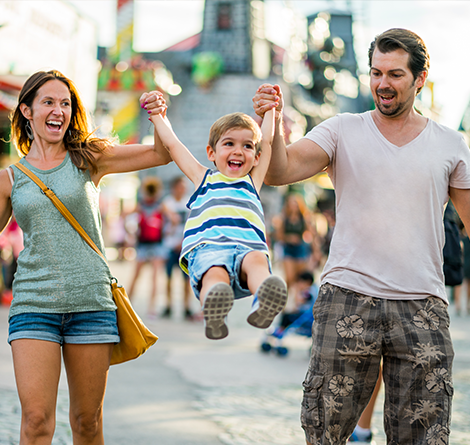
138	269
187	295
301	265
157	264
87	372
289	270
37	371
365	420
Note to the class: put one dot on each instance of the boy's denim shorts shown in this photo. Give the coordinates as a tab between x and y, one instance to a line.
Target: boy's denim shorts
229	256
74	328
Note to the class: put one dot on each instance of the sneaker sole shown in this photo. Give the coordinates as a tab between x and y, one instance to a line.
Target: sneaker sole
217	305
272	298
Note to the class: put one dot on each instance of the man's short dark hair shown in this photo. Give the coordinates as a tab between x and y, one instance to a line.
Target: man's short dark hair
398	38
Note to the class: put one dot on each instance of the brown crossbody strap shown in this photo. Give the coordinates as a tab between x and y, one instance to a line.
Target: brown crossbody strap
62	209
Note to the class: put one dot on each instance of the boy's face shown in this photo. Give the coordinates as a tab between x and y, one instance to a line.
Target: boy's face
234	153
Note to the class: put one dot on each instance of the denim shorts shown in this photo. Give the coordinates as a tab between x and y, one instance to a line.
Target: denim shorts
297	251
151	251
229	256
75	327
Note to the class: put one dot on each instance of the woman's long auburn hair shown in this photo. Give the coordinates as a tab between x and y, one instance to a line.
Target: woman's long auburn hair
78	139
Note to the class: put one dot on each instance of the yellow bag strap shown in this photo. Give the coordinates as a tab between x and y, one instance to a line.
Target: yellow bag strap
62	209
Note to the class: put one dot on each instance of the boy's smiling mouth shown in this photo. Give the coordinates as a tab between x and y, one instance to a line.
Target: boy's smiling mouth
235	164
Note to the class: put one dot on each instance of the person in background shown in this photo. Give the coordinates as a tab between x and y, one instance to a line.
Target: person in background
149	245
174	206
363	430
11	242
463	306
291	227
62	304
305	295
382	297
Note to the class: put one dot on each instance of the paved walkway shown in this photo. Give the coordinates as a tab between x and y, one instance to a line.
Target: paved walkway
188	390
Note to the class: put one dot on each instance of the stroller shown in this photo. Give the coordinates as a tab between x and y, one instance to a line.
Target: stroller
299	323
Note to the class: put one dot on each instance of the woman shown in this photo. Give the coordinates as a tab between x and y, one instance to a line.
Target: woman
61	292
292	227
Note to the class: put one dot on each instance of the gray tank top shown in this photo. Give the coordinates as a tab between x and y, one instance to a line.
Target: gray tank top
57	271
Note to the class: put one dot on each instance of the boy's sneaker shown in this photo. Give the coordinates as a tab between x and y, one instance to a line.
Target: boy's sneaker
217	305
270	299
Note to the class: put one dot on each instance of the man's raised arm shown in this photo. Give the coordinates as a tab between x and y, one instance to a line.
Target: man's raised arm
300	160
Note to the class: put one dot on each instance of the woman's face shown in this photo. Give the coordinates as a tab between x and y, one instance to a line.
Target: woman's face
50	112
292	205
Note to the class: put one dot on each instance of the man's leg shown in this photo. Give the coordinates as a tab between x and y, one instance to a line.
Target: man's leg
417	371
344	364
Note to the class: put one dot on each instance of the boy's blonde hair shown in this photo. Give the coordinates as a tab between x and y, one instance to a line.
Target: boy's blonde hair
234	120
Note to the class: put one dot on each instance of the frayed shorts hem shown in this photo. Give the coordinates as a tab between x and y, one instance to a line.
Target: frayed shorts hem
73	340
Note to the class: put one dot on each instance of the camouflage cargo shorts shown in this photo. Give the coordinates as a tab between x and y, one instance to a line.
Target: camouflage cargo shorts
352	334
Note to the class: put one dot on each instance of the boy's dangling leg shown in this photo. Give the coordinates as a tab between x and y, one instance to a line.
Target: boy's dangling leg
270	291
217	305
217	302
270	300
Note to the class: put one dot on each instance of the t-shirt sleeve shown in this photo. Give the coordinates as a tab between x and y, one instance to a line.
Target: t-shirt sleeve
460	176
326	135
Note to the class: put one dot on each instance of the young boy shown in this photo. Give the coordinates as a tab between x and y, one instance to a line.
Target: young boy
224	248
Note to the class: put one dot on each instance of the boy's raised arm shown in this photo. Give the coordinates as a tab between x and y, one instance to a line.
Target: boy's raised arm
185	160
267	129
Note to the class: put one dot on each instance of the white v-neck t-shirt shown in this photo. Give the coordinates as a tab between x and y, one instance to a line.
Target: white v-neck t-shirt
389	234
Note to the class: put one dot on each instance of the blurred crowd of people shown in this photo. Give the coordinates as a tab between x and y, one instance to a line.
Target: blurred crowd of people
153	232
296	244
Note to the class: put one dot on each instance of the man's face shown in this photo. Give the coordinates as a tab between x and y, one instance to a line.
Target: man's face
392	84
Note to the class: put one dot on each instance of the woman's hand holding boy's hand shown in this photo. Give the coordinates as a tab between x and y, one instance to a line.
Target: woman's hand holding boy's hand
154	103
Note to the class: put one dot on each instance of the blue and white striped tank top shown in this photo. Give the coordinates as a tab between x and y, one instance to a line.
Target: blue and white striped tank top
224	210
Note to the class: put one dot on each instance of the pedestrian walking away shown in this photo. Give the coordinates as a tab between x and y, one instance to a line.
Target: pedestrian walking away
382	295
174	206
224	249
62	302
149	245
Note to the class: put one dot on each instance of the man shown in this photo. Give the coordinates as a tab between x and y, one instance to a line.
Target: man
382	295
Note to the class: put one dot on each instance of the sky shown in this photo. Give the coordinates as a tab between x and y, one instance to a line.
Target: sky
442	24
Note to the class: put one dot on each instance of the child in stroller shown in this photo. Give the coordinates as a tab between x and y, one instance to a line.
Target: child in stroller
298	321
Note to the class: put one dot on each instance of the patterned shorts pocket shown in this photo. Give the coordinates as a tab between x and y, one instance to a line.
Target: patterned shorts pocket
312	404
449	392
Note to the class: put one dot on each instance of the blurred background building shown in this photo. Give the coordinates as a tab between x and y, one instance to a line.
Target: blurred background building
203	77
30	29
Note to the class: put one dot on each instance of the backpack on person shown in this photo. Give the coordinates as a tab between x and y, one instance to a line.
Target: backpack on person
452	252
150	226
